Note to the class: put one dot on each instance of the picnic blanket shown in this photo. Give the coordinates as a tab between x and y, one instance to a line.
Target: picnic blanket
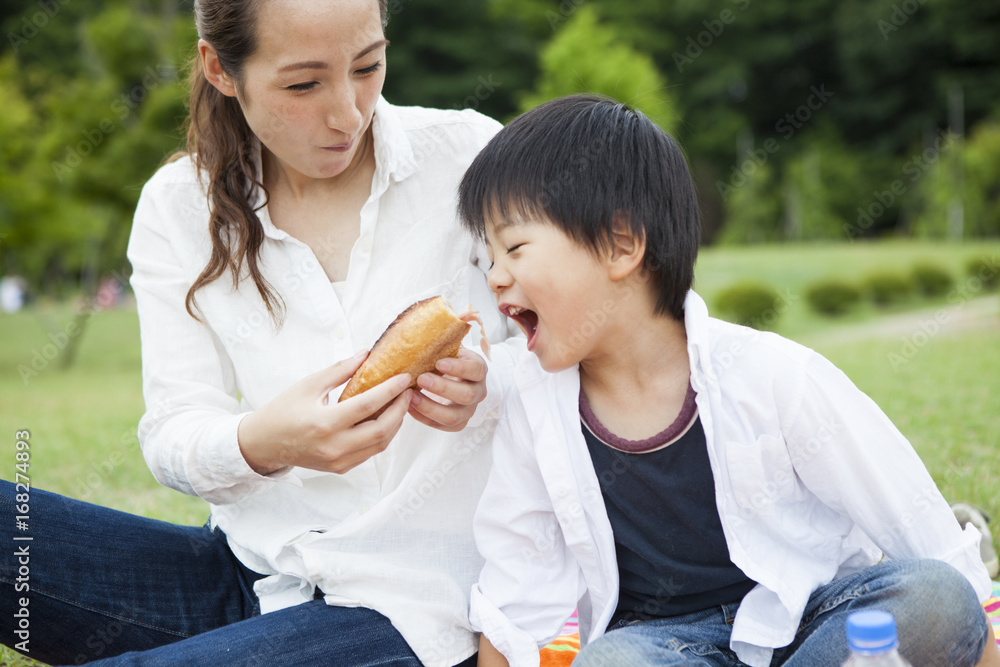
565	647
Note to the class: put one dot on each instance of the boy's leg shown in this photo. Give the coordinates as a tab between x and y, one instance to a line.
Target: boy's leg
98	582
700	638
939	619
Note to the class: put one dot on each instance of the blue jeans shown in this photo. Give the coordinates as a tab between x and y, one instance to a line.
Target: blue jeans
127	590
940	622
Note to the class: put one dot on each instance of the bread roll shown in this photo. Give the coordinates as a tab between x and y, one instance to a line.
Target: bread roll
422	334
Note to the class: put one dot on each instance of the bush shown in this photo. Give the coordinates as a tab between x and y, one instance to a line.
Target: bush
832	297
932	280
886	288
986	269
750	304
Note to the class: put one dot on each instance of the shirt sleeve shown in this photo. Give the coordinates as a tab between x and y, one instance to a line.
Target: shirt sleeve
848	453
188	433
530	582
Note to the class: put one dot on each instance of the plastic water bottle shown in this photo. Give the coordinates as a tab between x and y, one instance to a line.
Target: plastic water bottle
871	636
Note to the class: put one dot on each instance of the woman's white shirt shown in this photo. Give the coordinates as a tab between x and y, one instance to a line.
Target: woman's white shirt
393	534
812	481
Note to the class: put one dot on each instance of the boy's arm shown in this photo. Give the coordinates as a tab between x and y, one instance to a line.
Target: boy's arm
489	656
530	582
848	453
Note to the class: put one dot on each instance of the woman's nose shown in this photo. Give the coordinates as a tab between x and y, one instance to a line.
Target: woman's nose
342	111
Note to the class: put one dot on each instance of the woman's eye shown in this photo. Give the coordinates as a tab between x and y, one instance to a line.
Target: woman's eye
370	70
302	87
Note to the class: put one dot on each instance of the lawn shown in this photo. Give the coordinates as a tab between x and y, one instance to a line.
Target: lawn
939	389
939	385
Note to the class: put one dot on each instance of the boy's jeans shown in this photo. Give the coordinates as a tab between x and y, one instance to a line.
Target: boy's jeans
102	583
939	619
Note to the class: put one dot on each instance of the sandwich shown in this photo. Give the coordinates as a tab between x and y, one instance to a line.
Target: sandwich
417	339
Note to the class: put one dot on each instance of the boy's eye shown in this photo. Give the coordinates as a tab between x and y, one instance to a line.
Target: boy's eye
513	248
302	87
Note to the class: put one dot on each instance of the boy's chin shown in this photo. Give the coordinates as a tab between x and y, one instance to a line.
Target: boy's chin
553	365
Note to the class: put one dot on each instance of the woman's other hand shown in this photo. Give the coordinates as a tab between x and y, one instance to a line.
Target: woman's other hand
301	427
455	393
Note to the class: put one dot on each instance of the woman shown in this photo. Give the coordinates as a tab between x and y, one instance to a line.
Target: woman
333	539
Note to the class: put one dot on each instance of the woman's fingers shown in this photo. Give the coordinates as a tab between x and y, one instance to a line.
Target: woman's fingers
373	436
460	390
467	366
332	377
358	408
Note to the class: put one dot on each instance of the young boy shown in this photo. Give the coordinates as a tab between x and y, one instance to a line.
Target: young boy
702	493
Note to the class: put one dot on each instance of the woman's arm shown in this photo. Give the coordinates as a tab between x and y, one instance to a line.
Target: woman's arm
194	435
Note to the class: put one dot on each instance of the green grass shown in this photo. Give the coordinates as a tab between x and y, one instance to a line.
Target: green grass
942	396
82	420
789	268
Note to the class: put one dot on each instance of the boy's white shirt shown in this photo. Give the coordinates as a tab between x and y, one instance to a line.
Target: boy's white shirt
812	482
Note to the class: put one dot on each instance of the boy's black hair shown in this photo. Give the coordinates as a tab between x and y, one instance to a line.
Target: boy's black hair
586	163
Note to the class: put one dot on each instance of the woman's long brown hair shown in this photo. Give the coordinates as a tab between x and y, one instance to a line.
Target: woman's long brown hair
223	147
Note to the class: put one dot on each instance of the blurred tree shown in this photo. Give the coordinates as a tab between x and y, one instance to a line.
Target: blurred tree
77	149
588	56
455	54
847	96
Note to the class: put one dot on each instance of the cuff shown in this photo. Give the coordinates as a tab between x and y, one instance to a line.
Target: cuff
517	646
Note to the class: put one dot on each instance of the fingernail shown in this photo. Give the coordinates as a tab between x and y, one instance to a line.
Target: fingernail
403	381
360	353
415	398
444	365
426	381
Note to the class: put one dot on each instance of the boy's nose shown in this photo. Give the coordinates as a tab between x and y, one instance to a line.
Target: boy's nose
498	279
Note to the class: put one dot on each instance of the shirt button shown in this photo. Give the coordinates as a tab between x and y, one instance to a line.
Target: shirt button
364	508
365	244
340	331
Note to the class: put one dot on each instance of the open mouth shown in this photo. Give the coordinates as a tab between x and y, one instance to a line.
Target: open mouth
526	319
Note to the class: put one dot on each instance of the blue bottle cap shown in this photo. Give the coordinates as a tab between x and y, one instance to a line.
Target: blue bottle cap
871	631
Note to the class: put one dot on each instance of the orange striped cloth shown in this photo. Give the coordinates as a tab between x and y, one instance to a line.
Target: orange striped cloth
563	649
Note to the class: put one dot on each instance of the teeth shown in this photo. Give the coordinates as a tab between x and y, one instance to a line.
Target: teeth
514	310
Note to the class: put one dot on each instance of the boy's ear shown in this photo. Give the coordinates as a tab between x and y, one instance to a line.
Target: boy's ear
212	68
627	251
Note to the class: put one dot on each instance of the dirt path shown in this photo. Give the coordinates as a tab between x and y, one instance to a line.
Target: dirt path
980	313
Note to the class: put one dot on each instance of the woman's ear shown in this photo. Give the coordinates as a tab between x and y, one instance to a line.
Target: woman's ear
212	68
627	251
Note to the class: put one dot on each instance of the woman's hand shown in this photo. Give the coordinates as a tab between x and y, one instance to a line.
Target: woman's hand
457	393
301	427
